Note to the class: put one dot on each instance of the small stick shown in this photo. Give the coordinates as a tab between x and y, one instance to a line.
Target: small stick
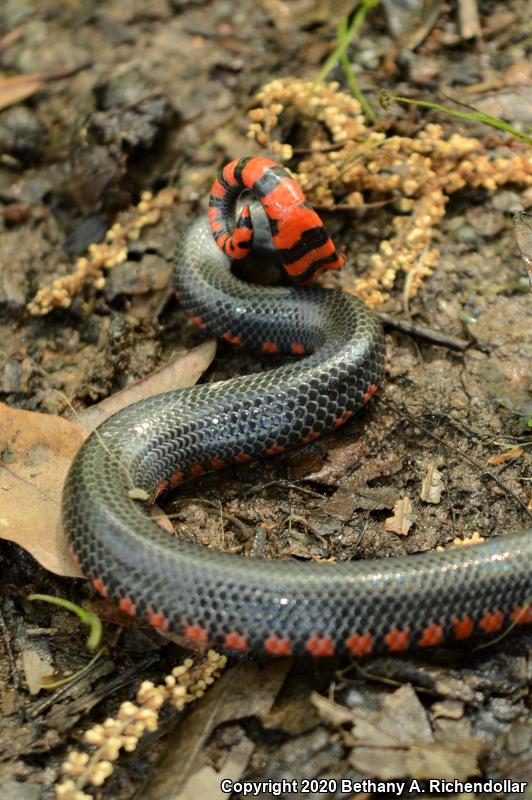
468	19
359	207
422	332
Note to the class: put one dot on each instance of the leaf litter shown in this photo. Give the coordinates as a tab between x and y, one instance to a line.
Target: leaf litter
396	740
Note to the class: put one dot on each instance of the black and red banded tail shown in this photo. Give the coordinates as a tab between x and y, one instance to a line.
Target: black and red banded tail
298	234
238	243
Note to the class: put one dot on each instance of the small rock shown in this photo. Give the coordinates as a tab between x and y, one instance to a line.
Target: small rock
152	273
424	69
507	201
13	284
31	187
15	213
518	74
401	15
514	106
466	234
22	135
485	222
14	378
87	231
519	739
505	710
131	112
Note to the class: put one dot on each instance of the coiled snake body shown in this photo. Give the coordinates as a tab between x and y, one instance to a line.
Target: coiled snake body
286	607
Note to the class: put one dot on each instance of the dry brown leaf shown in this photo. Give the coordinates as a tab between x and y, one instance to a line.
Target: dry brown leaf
36	451
397	741
207	781
402	519
18	88
340	461
333	713
162	519
515	452
452	758
343	504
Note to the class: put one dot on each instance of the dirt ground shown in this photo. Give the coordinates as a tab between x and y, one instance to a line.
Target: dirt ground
137	97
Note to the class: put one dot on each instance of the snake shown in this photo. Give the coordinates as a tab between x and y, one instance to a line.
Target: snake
283	607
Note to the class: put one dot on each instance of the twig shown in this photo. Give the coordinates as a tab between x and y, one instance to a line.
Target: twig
327	148
349	207
67	72
507	630
155	93
223	514
7	644
468	19
421	332
11	36
280	484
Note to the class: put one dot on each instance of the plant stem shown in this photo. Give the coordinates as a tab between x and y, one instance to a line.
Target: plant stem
472	116
345	37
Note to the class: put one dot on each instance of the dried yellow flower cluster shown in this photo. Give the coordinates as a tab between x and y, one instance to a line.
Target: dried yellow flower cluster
104	256
350	161
468	541
185	684
339	115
